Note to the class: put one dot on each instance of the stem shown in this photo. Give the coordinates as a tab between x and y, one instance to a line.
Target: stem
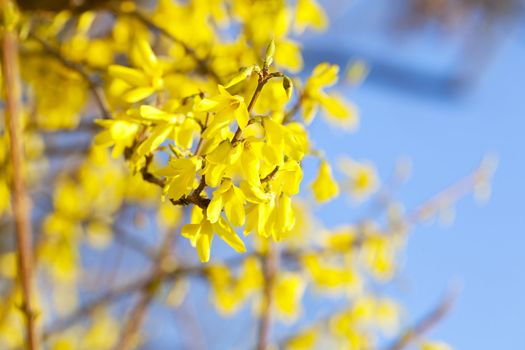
130	333
450	194
20	199
427	323
201	140
264	77
265	322
140	283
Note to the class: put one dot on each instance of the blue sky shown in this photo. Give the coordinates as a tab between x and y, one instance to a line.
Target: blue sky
445	138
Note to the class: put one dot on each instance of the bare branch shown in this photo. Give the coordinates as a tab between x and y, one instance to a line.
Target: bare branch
20	197
270	266
117	293
129	335
416	331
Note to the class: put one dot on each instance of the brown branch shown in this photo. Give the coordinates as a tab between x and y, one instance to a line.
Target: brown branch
451	194
149	177
270	266
426	324
20	197
201	139
117	293
130	333
134	243
264	77
271	175
100	98
193	198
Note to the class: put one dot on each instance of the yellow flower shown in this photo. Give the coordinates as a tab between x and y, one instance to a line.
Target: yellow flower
164	125
201	235
180	173
309	13
325	187
303	341
8	265
434	345
256	219
378	253
363	179
288	292
288	55
226	107
338	111
288	178
342	239
231	198
330	276
282	217
219	160
144	81
96	336
120	133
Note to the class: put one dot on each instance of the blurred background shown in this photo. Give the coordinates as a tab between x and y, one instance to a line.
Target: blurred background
439	85
445	86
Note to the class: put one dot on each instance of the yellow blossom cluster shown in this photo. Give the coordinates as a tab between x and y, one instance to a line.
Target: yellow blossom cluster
183	121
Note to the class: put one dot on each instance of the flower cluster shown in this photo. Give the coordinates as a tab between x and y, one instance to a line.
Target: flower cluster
144	124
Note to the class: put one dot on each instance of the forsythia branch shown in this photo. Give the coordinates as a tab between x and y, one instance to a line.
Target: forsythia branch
147	282
423	326
130	333
20	197
270	266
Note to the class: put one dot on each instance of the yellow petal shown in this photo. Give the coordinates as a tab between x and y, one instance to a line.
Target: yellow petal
234	206
158	135
131	76
325	187
138	94
204	239
242	75
220	154
309	13
241	115
214	209
254	193
227	233
147	58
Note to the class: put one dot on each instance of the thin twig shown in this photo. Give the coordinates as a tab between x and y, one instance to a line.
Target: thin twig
117	293
129	335
270	265
193	198
424	325
201	140
264	77
114	295
20	197
451	194
134	243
